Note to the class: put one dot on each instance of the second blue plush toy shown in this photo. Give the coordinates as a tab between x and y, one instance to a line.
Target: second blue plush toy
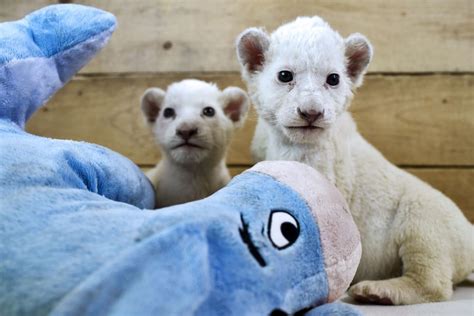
77	237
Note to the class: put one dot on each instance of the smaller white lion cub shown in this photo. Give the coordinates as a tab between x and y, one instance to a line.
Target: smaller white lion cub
193	122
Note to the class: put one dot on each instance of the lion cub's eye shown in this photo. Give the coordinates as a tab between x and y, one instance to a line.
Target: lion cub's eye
208	111
168	112
285	76
332	80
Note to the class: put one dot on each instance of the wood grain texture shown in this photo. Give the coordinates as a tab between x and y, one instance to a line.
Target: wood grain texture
457	184
413	120
190	35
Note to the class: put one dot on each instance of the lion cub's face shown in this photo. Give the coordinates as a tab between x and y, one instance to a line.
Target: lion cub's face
302	76
194	120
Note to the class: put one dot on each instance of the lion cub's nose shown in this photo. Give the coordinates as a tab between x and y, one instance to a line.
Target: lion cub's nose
310	116
187	133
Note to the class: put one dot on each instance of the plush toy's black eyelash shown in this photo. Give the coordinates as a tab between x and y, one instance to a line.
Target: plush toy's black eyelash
246	238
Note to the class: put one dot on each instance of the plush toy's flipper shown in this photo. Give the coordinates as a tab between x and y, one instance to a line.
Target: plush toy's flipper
334	309
41	52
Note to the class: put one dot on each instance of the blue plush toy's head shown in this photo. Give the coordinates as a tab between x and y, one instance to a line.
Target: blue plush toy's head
77	234
283	230
278	239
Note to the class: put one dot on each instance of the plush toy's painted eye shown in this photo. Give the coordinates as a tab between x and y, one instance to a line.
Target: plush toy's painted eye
332	80
283	229
208	111
285	76
168	112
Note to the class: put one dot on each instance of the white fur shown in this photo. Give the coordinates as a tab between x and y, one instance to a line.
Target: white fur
415	240
189	173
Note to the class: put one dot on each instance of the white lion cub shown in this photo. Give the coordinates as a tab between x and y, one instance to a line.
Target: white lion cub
193	123
415	241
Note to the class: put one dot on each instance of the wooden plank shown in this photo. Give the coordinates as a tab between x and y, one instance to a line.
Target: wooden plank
419	120
191	35
457	184
413	120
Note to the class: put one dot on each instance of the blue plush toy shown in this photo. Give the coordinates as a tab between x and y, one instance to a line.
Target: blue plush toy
76	235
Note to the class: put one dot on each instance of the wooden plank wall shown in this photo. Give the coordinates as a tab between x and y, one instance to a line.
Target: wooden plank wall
416	106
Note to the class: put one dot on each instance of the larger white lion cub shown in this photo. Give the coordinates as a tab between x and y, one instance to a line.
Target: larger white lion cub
416	242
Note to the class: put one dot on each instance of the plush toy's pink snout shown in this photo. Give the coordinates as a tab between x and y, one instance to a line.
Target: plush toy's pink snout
340	237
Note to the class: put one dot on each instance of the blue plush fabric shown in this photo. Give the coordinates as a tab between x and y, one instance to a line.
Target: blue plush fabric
41	52
77	236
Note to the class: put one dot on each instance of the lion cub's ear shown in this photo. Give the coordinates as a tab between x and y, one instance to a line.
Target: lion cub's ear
235	104
151	102
358	53
252	44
